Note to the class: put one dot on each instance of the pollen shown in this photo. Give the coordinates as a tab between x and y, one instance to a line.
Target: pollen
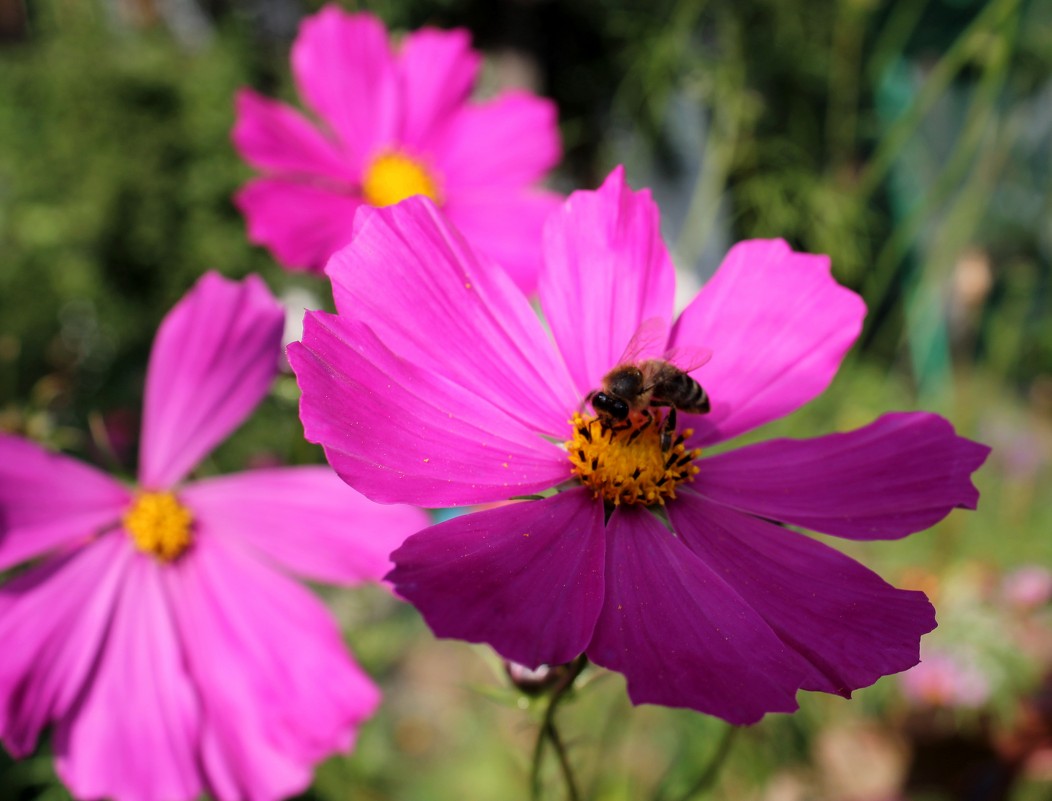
628	466
393	177
158	524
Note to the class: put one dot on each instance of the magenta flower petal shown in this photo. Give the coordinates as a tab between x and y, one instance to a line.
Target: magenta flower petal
778	326
135	732
606	271
843	619
407	434
272	136
900	474
301	223
507	226
483	148
48	500
410	276
340	536
681	634
53	621
347	74
276	687
528	577
213	360
438	70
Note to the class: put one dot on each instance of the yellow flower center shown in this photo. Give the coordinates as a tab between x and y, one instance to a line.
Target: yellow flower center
629	466
159	525
393	177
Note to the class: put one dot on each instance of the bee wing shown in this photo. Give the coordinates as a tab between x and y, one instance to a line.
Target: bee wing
647	342
687	358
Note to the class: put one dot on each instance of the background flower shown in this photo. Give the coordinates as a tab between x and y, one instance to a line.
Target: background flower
394	122
159	633
462	398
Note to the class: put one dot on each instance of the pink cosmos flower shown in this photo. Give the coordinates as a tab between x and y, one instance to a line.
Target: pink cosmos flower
436	384
946	680
159	633
394	122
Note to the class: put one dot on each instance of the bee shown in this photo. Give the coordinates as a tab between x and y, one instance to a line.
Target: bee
635	386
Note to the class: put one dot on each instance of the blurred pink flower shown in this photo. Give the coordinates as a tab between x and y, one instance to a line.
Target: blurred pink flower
1027	587
946	680
394	123
159	633
436	384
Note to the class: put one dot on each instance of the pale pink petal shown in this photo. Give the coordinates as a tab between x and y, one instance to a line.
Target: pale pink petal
271	136
346	73
411	277
900	474
507	227
302	224
777	324
843	619
306	520
48	500
53	622
277	688
606	270
526	578
510	141
135	732
438	70
213	360
681	634
400	433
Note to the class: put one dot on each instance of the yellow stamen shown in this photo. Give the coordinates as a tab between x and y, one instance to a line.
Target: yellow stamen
159	525
393	177
629	466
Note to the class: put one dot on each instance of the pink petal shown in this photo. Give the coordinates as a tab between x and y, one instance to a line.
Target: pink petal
346	73
438	70
135	733
48	500
843	619
681	634
510	141
410	276
274	137
306	520
778	326
507	227
302	224
606	271
900	474
526	578
277	688
213	360
53	621
400	433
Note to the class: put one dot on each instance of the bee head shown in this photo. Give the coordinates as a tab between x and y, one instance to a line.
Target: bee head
610	406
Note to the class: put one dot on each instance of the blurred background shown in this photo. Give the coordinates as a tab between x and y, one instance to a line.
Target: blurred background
911	140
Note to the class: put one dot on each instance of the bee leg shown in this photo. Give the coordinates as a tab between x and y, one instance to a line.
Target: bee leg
668	429
649	419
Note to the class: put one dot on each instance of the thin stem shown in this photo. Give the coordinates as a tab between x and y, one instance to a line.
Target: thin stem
549	733
712	770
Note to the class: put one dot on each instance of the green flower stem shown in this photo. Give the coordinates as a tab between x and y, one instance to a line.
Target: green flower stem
549	733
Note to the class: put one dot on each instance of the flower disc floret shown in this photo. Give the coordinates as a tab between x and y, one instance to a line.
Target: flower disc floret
628	465
393	177
158	524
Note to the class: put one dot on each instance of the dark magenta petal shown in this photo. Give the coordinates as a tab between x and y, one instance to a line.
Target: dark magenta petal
900	474
850	625
399	433
681	634
526	578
